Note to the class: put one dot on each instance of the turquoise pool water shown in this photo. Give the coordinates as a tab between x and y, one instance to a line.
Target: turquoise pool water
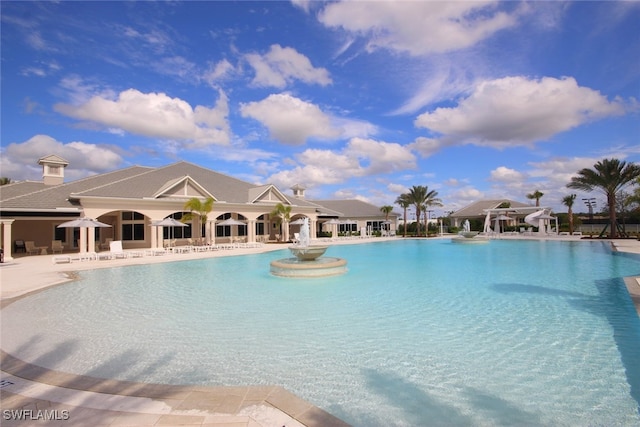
416	333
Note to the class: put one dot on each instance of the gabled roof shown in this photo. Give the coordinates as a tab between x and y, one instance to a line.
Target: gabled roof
352	208
183	187
477	209
221	187
267	194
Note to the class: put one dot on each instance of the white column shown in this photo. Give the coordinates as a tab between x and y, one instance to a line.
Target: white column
251	231
6	239
154	236
161	236
91	235
82	243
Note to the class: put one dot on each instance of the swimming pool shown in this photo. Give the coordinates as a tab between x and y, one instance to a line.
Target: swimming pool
416	333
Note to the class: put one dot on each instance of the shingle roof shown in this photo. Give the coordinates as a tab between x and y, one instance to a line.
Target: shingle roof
57	196
477	208
139	182
352	208
223	187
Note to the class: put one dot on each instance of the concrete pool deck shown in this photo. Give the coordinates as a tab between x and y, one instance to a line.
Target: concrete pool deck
32	395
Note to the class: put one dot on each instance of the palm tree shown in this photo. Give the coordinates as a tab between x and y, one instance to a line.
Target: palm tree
281	213
197	210
536	195
422	198
568	202
417	195
386	210
404	202
4	180
431	200
610	176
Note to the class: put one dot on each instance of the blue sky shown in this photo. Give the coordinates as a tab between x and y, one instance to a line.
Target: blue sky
350	99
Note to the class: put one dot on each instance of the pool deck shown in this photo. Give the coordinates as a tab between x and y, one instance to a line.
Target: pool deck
45	397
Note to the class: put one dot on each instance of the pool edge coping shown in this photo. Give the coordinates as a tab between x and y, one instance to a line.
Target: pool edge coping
176	396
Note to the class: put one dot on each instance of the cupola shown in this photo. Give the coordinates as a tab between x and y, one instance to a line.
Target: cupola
53	169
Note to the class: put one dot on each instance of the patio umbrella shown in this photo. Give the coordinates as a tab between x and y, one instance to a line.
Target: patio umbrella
169	222
333	221
83	222
231	221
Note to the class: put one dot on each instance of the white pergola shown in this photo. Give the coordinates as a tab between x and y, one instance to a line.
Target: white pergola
537	216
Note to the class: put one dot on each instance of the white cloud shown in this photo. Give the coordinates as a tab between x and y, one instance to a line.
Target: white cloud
282	65
381	157
218	71
309	175
397	188
79	91
302	4
156	115
418	28
360	157
519	111
19	160
290	120
426	147
177	66
506	175
353	128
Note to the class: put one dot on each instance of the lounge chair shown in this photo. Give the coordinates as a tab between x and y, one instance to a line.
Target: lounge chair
115	251
57	246
106	244
31	248
19	246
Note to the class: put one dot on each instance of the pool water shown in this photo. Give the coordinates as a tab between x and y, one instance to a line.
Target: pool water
415	333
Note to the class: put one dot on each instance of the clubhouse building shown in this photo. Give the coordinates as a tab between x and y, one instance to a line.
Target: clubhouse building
132	201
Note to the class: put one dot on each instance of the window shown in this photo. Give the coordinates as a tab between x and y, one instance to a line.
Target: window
375	225
132	226
60	234
177	232
54	170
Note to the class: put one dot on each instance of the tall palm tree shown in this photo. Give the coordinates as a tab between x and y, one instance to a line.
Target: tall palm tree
386	210
198	210
417	195
536	195
431	200
404	202
568	202
610	176
281	213
422	198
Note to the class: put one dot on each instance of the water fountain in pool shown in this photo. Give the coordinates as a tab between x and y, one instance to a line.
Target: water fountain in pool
468	236
308	261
